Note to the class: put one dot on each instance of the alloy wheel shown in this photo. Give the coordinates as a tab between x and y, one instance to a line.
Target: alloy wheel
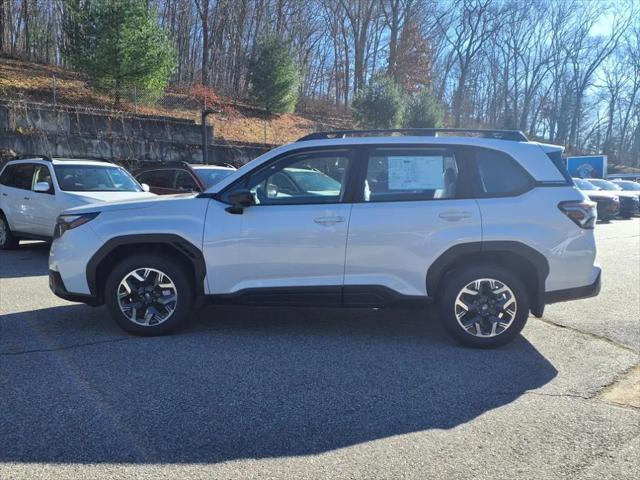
147	296
485	307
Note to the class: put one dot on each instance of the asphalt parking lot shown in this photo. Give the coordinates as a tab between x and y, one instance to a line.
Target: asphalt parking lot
308	393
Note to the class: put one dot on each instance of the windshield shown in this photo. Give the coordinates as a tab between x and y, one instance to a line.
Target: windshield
211	176
312	181
629	186
584	185
603	184
93	178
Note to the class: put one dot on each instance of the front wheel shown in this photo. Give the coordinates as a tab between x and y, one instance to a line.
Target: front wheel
149	295
484	306
7	240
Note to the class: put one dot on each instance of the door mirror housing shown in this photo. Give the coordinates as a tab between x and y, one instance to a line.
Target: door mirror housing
43	187
145	187
240	199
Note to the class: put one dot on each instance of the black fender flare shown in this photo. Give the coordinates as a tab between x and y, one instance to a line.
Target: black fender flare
181	245
441	265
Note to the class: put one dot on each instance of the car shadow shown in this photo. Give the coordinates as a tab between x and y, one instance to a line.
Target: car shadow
240	383
28	260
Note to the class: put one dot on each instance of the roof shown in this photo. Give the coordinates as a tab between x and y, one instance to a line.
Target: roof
62	161
530	154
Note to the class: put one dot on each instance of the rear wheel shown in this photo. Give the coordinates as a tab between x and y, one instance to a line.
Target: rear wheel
149	295
7	240
484	306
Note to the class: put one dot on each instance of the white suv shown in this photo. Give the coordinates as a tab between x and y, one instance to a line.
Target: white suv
34	191
490	227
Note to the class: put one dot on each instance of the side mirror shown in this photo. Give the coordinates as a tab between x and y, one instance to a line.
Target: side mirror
240	199
145	187
42	187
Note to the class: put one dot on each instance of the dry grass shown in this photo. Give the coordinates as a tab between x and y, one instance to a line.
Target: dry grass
237	122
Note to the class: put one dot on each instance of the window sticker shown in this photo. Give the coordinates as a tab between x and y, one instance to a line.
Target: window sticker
416	173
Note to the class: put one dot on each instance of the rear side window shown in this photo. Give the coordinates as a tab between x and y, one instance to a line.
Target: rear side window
556	158
408	174
499	175
158	178
5	177
20	176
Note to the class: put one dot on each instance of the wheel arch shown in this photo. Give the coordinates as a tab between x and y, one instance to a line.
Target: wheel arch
108	255
530	265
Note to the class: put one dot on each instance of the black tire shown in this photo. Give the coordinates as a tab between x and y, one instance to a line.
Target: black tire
457	280
172	268
7	240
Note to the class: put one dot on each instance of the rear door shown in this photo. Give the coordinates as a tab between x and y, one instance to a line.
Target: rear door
414	204
16	197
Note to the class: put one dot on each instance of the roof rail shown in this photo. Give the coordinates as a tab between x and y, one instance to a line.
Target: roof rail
514	135
33	157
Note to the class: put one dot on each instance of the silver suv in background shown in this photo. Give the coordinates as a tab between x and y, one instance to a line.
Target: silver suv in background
35	190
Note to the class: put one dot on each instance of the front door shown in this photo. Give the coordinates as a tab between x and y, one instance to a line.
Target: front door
44	208
291	244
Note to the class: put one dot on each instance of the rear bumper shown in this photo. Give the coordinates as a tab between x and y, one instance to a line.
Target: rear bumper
57	287
575	293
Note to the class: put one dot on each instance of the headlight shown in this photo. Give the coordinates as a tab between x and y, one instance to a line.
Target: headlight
69	222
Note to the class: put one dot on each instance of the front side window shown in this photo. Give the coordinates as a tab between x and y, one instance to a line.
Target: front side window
89	178
43	175
185	182
21	175
401	174
302	179
498	174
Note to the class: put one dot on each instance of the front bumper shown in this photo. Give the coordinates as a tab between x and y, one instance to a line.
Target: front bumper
575	293
57	287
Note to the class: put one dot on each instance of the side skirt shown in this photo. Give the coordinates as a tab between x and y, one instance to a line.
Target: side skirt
358	296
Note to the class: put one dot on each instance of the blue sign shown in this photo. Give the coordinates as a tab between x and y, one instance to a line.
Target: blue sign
591	166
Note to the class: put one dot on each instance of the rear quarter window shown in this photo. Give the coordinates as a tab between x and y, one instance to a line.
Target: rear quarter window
497	174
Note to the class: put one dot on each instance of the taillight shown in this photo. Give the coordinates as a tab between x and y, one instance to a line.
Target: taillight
584	214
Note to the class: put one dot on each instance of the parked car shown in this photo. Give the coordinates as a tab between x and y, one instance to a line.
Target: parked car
34	191
181	177
489	227
608	202
627	185
629	201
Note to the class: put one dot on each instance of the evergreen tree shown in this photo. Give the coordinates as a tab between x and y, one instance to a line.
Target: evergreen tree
424	111
381	104
275	77
119	45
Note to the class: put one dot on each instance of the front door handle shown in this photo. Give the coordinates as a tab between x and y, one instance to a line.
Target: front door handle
454	215
27	198
328	220
4	194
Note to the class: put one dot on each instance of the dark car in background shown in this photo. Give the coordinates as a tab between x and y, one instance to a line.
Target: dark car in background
608	202
182	177
629	201
627	185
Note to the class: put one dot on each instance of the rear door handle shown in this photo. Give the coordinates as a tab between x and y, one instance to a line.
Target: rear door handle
27	198
454	215
4	194
328	220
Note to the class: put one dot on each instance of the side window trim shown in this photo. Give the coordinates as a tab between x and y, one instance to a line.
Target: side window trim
351	152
